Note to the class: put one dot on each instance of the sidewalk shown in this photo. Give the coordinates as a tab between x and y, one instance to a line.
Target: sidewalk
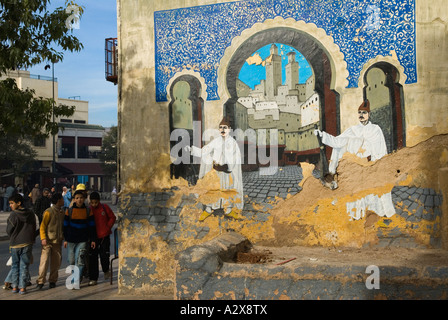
102	291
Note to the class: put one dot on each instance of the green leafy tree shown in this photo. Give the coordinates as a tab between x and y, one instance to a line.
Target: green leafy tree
30	34
16	155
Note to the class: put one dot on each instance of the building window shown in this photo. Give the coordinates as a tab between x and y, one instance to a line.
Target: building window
39	142
67	148
89	148
79	121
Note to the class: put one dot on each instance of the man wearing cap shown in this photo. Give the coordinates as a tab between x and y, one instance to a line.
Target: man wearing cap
223	155
365	140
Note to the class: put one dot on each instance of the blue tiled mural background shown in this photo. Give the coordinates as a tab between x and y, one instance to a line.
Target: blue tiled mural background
197	37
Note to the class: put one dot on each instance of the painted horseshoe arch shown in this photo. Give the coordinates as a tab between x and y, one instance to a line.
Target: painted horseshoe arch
186	94
318	48
382	80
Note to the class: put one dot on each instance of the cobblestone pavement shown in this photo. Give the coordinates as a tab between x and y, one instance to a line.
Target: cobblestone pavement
260	186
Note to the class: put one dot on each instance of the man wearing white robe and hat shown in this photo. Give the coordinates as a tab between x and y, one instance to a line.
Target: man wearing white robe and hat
365	140
223	155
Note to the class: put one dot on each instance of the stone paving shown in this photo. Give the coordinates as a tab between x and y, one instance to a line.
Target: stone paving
416	204
267	183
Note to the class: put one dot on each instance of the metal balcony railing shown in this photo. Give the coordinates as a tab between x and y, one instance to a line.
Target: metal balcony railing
111	51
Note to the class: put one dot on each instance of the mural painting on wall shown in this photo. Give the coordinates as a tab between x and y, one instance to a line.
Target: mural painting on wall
222	156
197	37
282	112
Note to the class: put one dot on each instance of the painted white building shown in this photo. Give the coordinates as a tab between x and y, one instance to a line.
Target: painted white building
290	108
292	97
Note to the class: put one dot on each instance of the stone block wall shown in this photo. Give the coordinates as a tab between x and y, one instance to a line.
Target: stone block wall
149	222
154	229
154	207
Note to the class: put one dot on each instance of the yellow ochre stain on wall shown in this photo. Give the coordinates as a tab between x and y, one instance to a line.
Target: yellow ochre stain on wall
316	216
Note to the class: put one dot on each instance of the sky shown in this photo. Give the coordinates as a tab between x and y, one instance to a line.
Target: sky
82	74
252	74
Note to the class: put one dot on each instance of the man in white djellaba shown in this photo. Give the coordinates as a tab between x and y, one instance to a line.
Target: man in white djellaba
223	155
365	140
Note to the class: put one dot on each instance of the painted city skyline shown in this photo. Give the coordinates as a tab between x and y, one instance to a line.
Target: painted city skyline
253	70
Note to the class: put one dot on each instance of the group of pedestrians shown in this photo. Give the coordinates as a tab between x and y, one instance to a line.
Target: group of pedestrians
6	191
64	220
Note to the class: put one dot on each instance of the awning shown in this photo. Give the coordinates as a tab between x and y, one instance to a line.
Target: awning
60	171
85	169
7	175
88	141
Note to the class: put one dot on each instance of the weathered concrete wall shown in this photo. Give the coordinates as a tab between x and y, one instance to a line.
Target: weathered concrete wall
159	215
427	99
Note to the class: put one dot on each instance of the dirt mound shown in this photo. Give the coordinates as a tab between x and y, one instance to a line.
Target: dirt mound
415	166
317	216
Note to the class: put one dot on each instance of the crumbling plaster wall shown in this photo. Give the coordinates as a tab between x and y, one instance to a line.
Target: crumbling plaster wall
144	145
426	101
144	124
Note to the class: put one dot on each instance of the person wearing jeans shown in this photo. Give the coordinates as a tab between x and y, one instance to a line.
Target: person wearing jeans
79	231
77	255
21	259
21	229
